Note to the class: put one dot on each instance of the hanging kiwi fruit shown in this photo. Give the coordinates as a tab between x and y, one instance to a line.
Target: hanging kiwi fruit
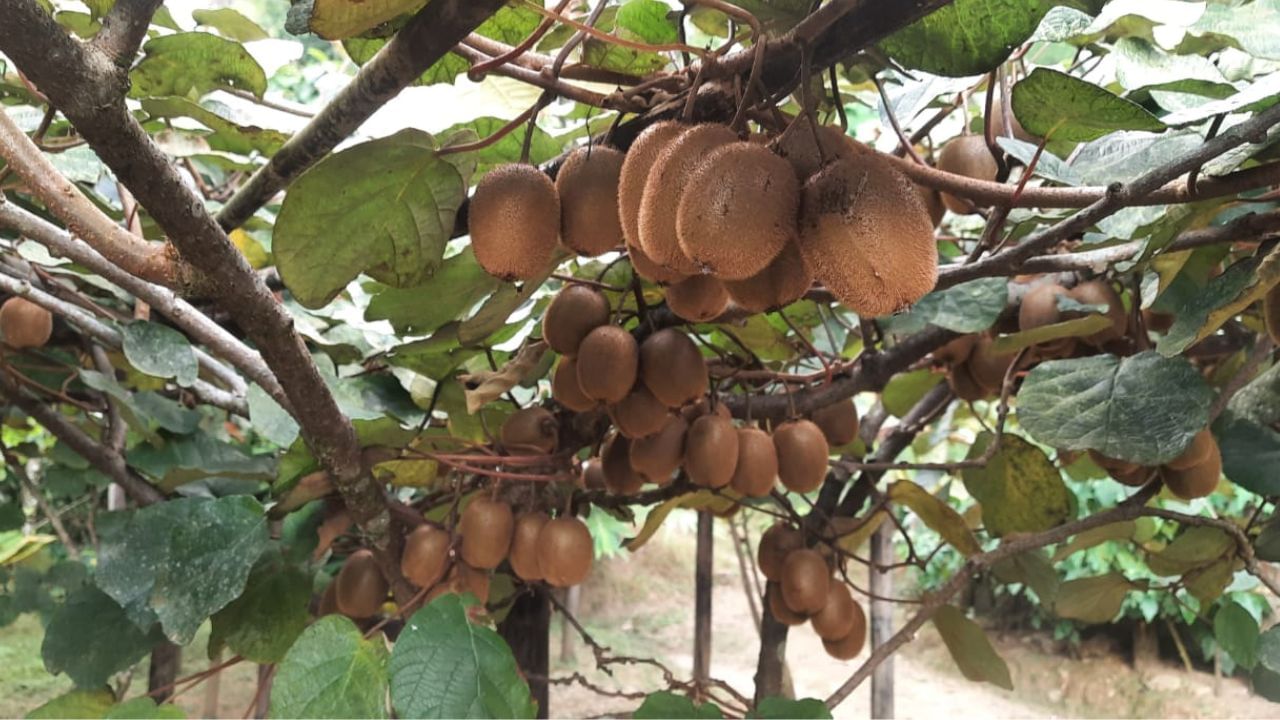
672	368
698	298
756	467
524	545
608	360
573	313
659	455
849	646
486	528
425	557
514	221
966	155
565	551
711	451
360	589
806	581
775	545
802	455
837	421
620	478
24	324
587	184
782	282
530	431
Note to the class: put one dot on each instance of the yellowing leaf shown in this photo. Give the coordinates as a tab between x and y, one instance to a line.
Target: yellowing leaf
1266	277
1092	599
1079	327
482	388
935	513
969	647
250	248
338	19
853	540
407	473
701	500
16	547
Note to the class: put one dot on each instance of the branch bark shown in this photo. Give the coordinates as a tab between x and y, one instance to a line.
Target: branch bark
124	28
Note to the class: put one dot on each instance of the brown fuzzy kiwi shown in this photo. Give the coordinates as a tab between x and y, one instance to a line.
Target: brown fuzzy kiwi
1137	477
837	617
1197	451
966	155
361	588
778	607
575	311
639	414
588	186
1113	465
514	219
646	268
426	555
530	431
608	361
838	422
848	647
615	458
1039	307
667	181
1196	481
806	580
565	388
466	579
738	211
988	367
659	455
592	475
24	324
486	528
802	455
524	545
1097	292
700	298
1271	313
785	281
328	604
711	451
672	368
807	151
703	406
1157	321
635	172
956	351
960	378
756	469
865	234
775	545
932	201
565	551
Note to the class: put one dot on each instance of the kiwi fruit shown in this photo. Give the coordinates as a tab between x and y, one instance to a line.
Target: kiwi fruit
738	211
486	529
575	311
1039	307
635	172
328	604
932	200
608	361
1197	452
668	180
514	220
807	149
592	476
24	324
639	414
1113	465
659	455
672	368
963	386
588	187
756	469
775	545
987	366
615	458
565	388
361	588
700	298
530	431
865	234
848	647
1097	292
466	579
1137	477
806	580
802	455
956	351
966	155
646	268
778	607
1158	321
703	406
837	617
783	282
1271	313
711	451
838	422
426	555
524	545
565	551
1196	481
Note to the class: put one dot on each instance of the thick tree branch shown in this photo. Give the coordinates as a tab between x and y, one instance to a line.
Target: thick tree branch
124	28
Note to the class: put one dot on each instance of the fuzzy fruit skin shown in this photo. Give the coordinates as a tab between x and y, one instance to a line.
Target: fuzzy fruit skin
608	361
711	451
848	647
775	545
966	155
837	617
1198	451
800	147
956	351
575	312
960	378
1137	477
24	324
698	298
565	551
514	221
1113	465
639	161
987	367
1196	481
802	455
932	201
639	414
524	545
783	282
615	458
361	589
1271	313
659	455
426	555
328	604
672	368
756	469
1096	292
838	422
565	388
805	582
588	187
779	610
592	475
1039	308
486	528
667	181
646	268
530	431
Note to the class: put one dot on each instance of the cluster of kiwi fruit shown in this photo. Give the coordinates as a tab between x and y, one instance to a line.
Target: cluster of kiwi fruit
717	218
24	324
802	588
1193	474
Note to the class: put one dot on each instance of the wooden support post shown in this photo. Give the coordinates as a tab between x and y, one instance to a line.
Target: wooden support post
882	620
702	600
527	629
166	660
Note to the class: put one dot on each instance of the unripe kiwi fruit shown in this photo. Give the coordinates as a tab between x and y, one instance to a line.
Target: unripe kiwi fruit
672	368
608	360
805	581
659	455
807	150
960	378
565	551
486	529
987	366
361	588
738	211
956	351
524	545
1039	308
514	219
530	431
698	298
575	311
24	324
802	455
837	421
565	388
1197	451
1112	465
667	181
778	607
837	617
635	172
848	647
1097	292
1271	313
426	555
615	459
639	414
865	234
783	282
588	187
756	468
711	451
966	155
1196	481
775	545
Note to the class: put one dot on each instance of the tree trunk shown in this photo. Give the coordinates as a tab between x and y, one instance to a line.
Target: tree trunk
527	629
166	660
702	600
770	667
1146	647
882	620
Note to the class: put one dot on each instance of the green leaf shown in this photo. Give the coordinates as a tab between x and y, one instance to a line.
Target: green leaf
777	16
1142	65
1076	327
337	19
542	148
1033	569
1227	295
905	390
966	308
269	419
967	37
181	460
384	207
227	135
937	514
332	672
456	287
269	615
231	23
1207	584
1195	547
972	652
1144	408
75	705
648	20
1248	26
1020	489
1123	530
781	708
180	561
608	56
144	708
443	666
160	351
1269	649
192	64
1049	103
90	638
1092	599
1259	401
1237	633
666	704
